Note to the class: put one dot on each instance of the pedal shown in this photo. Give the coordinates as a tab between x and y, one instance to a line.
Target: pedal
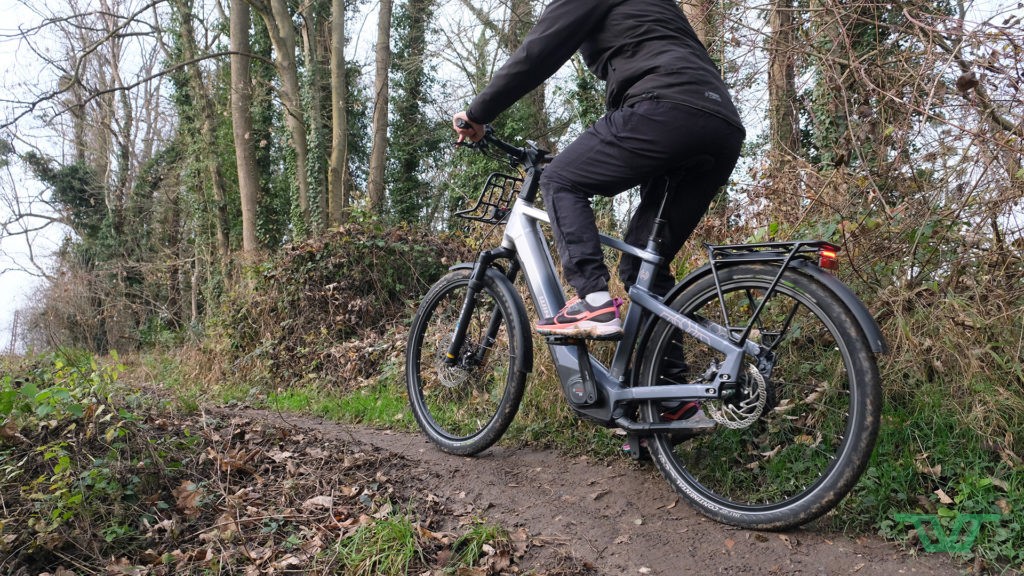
558	340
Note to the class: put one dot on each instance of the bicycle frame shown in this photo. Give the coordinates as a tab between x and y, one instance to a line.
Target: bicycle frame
523	237
600	393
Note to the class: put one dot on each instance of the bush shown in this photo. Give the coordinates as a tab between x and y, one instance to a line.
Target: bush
327	308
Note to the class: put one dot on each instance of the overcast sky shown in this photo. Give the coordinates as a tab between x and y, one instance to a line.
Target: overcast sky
16	66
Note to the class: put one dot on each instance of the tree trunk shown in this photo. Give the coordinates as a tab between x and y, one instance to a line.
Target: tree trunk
316	54
375	185
784	129
337	183
701	15
282	35
208	120
241	121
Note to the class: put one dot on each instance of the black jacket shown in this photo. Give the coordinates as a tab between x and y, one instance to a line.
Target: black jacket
643	49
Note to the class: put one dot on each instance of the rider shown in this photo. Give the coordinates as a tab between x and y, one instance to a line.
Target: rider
667	109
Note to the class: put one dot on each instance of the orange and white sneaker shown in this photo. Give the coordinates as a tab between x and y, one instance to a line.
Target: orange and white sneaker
578	319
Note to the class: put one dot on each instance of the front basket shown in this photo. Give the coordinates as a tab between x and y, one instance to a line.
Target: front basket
495	199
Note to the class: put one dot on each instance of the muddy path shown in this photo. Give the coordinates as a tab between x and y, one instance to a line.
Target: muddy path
612	518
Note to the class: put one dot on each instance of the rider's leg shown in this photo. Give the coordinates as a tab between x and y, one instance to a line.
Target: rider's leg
716	146
624	148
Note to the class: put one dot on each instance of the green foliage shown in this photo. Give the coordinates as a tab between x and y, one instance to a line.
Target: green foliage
926	463
585	97
55	387
417	139
77	191
272	212
55	412
359	114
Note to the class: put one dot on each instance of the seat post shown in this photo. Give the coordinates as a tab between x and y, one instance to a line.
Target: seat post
654	241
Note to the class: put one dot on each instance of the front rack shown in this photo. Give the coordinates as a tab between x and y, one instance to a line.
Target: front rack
495	201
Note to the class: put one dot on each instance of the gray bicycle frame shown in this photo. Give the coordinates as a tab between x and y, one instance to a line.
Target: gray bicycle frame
524	236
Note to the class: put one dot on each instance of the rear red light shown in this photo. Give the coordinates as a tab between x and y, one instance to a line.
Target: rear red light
828	259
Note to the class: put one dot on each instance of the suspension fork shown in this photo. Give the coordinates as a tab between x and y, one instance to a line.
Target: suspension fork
475	285
495	322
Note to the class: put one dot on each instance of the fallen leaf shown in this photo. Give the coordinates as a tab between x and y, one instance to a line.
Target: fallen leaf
278	456
943	498
223	530
921	465
1004	506
787	541
233	459
317	452
623	539
520	542
804	439
383	512
442	537
187	497
729	543
10	431
318	502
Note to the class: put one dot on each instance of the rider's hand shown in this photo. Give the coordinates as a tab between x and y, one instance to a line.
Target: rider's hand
466	128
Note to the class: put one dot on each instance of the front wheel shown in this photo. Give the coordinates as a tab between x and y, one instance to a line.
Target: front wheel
792	438
465	407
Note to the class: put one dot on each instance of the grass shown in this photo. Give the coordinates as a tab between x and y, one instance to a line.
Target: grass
469	547
927	462
386	547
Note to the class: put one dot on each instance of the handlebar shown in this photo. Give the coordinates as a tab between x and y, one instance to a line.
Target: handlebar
529	155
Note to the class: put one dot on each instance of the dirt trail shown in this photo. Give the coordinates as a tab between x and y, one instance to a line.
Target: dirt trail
619	517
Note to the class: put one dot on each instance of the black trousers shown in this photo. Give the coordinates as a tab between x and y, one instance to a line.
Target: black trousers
637	146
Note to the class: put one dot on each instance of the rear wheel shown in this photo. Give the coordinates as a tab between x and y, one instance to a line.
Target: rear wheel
793	437
466	407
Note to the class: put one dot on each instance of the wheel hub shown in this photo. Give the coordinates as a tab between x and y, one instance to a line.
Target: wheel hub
746	406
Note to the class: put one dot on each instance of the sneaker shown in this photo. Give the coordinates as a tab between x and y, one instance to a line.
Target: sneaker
578	319
681	411
690	411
